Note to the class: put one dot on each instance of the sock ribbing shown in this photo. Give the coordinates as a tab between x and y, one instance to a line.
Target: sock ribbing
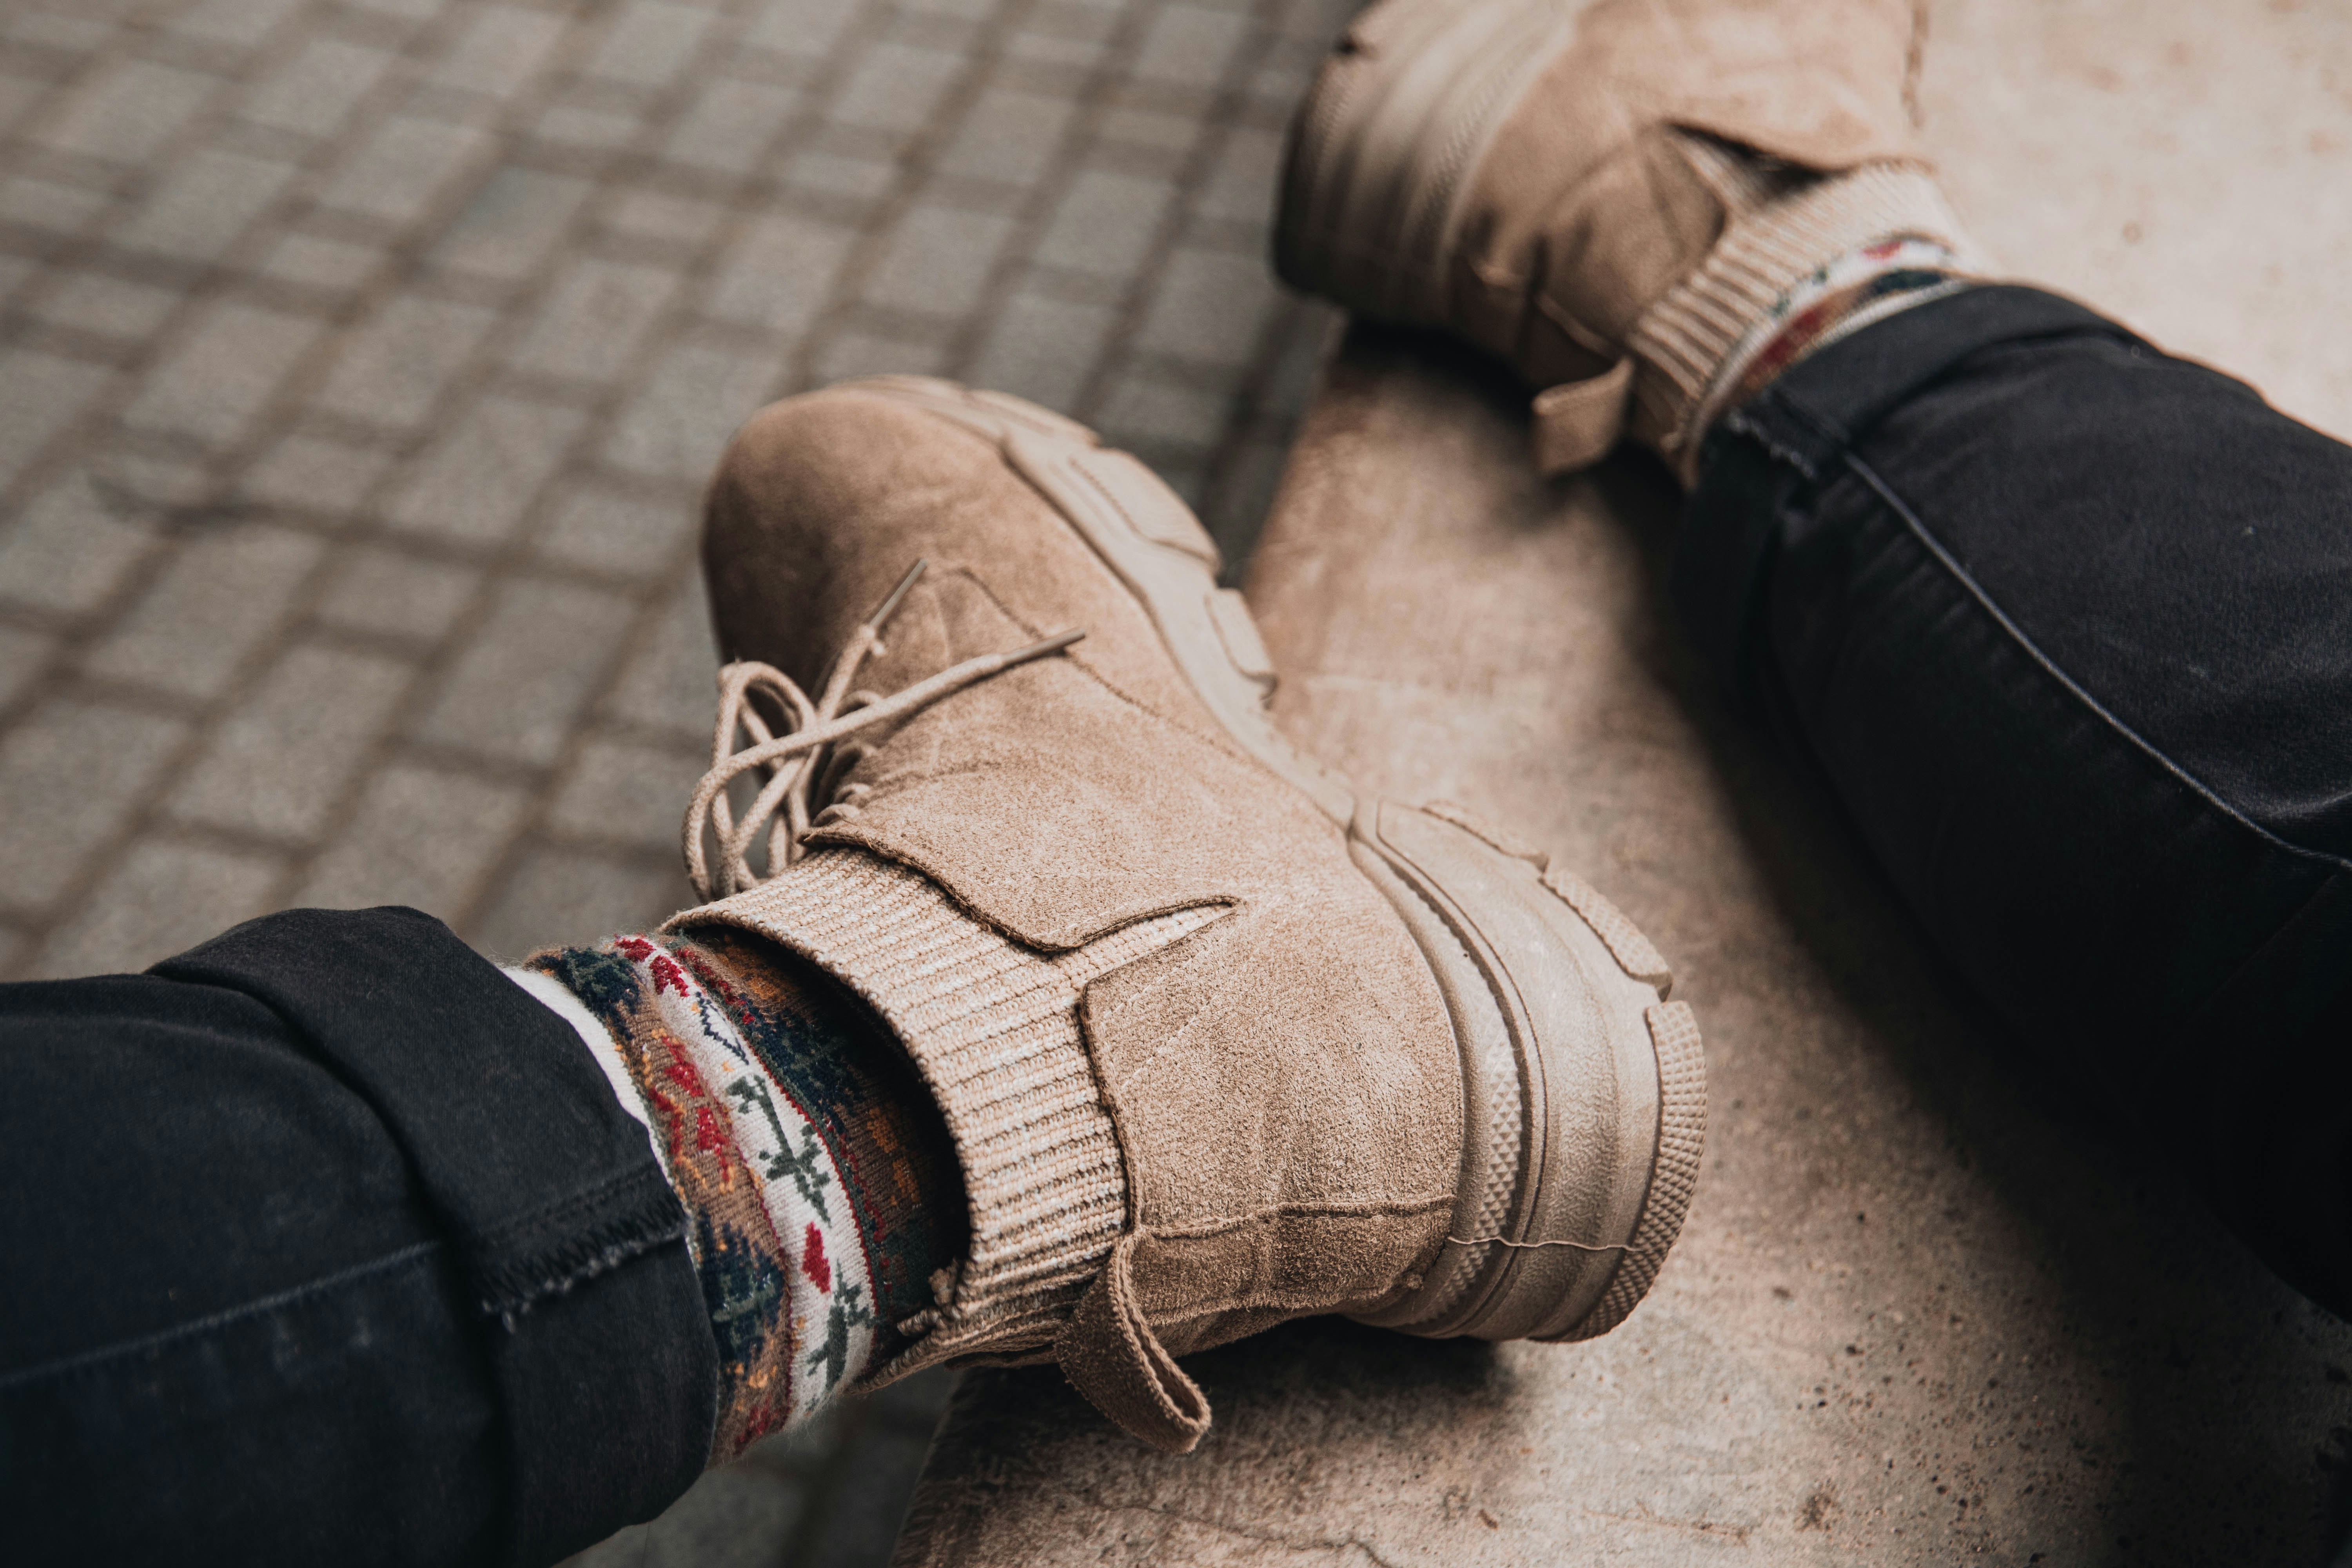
1777	238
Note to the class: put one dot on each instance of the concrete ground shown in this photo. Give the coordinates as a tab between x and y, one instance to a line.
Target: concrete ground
360	362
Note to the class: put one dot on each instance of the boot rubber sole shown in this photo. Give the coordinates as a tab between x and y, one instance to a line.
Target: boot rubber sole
1381	150
1584	1088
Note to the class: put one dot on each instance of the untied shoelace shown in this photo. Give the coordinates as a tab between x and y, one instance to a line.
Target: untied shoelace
807	757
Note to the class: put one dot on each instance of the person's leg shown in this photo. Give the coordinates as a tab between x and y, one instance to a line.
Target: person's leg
325	1241
2066	625
820	1182
334	1242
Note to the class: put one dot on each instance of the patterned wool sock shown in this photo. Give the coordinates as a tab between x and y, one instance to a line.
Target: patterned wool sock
1804	259
819	1179
1867	284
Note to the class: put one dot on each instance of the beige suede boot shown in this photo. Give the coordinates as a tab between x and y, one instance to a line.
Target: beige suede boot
1220	1039
1629	200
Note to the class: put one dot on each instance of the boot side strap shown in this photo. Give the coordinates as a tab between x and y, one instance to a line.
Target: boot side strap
1111	1356
1576	422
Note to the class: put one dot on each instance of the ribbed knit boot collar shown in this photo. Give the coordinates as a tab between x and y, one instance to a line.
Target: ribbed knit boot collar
992	1027
1627	200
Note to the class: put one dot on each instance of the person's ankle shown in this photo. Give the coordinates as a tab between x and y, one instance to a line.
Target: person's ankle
1864	286
1802	263
820	1184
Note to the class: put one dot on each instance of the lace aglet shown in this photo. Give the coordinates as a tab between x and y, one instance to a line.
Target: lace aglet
1054	644
889	605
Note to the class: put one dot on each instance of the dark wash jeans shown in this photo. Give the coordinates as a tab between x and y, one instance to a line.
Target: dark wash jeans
2066	626
324	1242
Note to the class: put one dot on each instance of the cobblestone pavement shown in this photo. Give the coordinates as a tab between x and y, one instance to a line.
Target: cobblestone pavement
362	362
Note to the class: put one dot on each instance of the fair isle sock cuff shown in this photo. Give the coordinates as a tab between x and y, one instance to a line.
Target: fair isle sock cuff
776	1244
1841	296
829	1055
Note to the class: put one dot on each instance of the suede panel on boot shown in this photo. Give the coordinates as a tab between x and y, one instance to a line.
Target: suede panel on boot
1553	274
1576	189
1285	1082
1821	86
789	578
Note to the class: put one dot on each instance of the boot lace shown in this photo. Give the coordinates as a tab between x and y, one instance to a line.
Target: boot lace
815	752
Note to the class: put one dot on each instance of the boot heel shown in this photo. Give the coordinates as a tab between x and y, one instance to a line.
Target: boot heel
1381	150
1584	1090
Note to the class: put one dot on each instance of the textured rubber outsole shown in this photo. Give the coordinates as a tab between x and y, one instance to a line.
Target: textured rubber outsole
1584	1087
1565	1230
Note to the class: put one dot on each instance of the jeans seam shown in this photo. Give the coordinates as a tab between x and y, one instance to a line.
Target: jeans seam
2246	965
1742	422
2017	637
90	1359
1830	430
593	1199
